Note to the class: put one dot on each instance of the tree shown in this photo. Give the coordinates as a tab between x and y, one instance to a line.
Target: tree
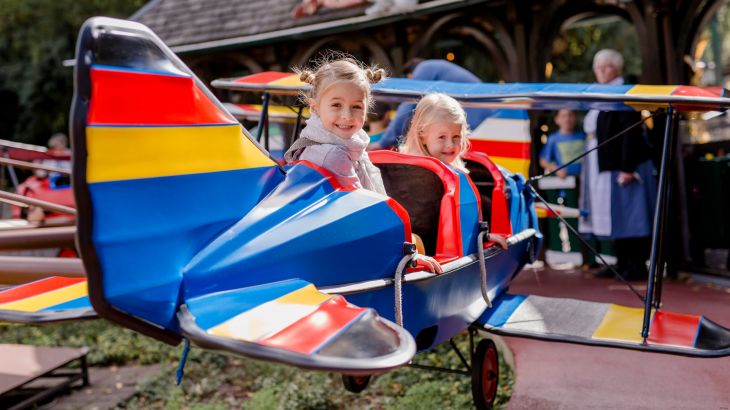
36	36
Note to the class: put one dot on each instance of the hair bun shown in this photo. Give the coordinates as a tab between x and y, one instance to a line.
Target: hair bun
306	76
374	75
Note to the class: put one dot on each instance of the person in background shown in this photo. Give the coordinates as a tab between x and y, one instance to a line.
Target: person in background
618	184
377	121
435	70
563	145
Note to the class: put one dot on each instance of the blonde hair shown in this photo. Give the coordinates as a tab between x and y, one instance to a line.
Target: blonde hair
338	67
431	109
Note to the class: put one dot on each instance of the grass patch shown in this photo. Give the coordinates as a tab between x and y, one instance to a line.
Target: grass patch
218	381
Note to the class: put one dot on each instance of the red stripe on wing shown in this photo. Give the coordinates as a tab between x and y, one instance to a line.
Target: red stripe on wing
36	288
507	149
316	329
673	329
141	98
262	78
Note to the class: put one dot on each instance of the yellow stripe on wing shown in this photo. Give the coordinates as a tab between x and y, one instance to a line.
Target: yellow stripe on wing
516	165
290	81
621	323
121	153
271	317
47	299
650	90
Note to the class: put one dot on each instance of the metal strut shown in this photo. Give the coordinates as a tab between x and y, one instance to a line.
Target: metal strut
660	217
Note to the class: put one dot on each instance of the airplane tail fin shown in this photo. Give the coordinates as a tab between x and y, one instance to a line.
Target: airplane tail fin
160	167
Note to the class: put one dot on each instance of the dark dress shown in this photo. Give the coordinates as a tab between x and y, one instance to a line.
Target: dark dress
633	204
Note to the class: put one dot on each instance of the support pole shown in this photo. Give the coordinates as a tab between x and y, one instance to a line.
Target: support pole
658	230
264	116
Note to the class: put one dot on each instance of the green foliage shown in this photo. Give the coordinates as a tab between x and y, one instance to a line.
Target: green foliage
217	381
36	36
109	344
574	48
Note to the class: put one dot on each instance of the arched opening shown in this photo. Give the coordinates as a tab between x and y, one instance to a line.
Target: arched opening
578	40
466	43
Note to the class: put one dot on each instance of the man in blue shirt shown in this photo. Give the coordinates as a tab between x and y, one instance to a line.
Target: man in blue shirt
435	70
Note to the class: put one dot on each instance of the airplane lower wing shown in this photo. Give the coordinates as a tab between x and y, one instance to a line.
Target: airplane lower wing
294	323
604	324
53	299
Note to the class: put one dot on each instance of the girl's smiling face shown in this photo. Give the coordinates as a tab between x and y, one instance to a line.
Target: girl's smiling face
442	140
342	108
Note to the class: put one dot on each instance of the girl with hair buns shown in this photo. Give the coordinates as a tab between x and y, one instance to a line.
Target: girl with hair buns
333	136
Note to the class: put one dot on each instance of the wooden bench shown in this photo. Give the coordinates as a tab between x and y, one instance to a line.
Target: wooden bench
25	372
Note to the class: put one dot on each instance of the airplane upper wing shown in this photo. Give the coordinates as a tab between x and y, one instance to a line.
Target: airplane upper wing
522	96
292	322
604	324
53	299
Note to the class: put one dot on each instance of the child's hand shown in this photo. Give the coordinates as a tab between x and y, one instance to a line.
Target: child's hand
562	174
498	239
431	263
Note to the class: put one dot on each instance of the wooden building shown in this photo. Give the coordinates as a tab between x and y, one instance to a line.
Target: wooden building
498	40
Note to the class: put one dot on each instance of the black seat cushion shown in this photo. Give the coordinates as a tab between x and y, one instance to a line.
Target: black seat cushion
484	182
419	191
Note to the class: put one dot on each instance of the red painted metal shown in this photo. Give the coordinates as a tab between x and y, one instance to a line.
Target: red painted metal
500	223
137	98
674	329
509	149
316	329
262	78
36	288
449	244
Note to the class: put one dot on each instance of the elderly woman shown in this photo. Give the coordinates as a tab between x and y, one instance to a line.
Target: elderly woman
618	180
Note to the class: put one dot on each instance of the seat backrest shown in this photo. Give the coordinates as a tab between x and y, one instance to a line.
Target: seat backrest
419	191
491	186
441	202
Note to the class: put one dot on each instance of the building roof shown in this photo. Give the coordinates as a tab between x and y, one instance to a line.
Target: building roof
197	25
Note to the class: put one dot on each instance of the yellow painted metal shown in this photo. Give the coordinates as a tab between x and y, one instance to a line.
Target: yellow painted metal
123	153
621	323
47	299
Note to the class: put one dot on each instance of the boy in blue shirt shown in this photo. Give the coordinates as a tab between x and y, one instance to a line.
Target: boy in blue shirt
563	145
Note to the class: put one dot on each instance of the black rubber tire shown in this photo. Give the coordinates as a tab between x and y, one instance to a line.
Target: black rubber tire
355	384
484	375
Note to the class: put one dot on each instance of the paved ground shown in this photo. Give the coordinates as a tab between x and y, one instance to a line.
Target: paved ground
109	387
568	376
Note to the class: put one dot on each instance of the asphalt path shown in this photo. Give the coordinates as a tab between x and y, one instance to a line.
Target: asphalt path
553	375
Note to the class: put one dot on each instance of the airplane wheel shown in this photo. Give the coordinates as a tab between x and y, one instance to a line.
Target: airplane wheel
355	384
484	374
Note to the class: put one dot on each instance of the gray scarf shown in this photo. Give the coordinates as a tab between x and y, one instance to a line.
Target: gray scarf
314	133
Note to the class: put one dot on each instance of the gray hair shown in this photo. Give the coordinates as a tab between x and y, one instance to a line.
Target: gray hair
612	56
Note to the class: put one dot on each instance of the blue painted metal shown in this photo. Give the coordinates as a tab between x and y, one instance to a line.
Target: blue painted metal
79	303
207	308
469	215
502	309
311	232
143	246
450	301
